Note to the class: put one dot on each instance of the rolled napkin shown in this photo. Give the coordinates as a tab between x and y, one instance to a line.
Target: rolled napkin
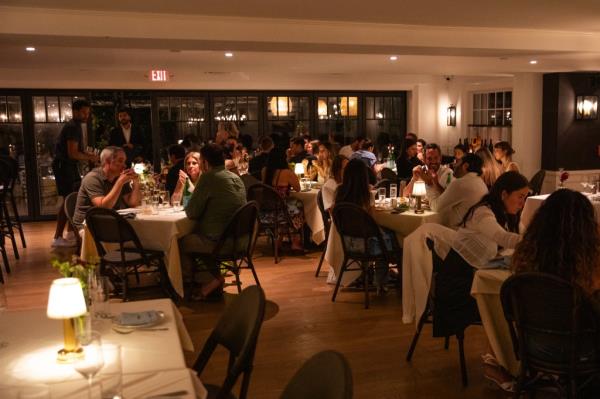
138	318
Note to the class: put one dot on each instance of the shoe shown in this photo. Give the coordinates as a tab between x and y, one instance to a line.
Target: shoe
61	242
499	377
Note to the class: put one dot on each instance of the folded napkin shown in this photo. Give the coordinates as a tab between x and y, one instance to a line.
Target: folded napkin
137	318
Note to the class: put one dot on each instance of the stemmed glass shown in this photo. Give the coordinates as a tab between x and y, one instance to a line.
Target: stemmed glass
92	361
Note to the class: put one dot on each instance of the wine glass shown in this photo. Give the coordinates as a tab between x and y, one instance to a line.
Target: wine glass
3	307
92	360
381	194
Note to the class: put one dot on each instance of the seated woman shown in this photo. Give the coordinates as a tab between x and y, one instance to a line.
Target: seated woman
320	170
491	169
356	190
278	175
489	226
335	179
503	154
407	160
191	171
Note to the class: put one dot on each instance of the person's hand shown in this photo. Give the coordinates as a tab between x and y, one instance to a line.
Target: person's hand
182	177
428	177
417	172
126	176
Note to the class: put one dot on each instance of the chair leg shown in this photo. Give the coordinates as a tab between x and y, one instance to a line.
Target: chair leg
10	231
321	261
339	280
238	283
5	258
366	273
461	353
17	219
447	343
251	267
275	242
415	339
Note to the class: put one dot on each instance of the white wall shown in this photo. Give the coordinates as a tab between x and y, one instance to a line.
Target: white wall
527	122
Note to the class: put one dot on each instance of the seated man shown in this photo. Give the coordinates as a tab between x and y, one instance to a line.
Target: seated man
365	154
355	145
465	191
176	156
107	186
296	153
435	174
218	194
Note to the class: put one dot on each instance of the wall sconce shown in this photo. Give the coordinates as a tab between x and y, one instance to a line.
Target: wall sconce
451	115
587	107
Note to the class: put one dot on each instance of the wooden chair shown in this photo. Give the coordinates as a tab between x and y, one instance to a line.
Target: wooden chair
15	219
237	330
6	222
536	182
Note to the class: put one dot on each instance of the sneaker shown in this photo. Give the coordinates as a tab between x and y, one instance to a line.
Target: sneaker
61	242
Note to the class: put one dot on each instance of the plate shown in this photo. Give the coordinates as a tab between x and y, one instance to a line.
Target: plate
144	319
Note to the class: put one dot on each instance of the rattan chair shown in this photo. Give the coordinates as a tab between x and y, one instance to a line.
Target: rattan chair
234	248
354	223
237	330
555	333
326	375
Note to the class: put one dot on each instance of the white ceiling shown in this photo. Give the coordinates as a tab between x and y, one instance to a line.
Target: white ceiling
305	45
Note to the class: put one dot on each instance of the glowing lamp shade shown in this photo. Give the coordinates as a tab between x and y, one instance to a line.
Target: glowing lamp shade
138	168
66	299
299	169
419	188
587	107
280	106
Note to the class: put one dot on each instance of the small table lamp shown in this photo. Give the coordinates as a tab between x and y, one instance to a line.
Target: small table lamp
418	191
299	169
65	302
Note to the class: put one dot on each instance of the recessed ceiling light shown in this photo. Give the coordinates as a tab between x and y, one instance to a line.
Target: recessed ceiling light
393	58
30	49
533	62
228	55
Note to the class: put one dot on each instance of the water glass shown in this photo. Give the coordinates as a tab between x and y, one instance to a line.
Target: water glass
381	194
100	298
393	191
92	360
111	377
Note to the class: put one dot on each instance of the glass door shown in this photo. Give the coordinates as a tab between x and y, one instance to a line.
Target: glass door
12	145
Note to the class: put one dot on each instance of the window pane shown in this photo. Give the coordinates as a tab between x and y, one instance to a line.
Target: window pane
11	144
484	101
163	108
476	101
507	121
303	108
3	111
500	99
388	112
39	109
66	109
272	105
508	99
52	109
353	106
175	108
46	134
322	111
492	117
242	109
369	108
252	109
333	108
492	100
14	109
379	108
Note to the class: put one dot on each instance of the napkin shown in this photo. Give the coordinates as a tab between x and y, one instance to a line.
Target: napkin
137	318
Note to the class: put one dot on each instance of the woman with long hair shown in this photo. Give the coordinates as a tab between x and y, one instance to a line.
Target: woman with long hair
503	154
278	175
191	171
562	239
335	179
421	144
491	169
321	168
407	159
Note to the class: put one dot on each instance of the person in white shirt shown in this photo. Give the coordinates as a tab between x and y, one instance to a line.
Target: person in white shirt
335	179
465	190
356	144
434	173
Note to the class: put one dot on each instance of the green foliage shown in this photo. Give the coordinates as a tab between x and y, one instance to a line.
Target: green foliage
76	268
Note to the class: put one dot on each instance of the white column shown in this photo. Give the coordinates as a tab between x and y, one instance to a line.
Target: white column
527	122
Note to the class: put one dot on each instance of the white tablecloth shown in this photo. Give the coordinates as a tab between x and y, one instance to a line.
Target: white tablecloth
486	291
312	215
533	203
153	361
402	224
158	232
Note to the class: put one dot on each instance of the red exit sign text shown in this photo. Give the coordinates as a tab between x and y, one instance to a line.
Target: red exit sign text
159	75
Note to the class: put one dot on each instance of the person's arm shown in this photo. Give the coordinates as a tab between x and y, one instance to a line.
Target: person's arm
199	200
485	222
292	180
109	200
134	198
74	153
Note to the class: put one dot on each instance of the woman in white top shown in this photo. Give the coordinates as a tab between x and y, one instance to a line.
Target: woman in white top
503	153
335	179
490	225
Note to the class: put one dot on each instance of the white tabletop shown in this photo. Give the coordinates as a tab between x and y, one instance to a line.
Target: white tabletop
153	361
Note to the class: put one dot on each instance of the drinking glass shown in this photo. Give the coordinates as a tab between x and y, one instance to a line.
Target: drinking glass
155	203
92	360
164	198
176	201
3	307
393	191
100	298
381	194
111	377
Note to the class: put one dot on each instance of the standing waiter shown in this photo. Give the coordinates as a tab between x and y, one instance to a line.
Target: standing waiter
70	149
127	137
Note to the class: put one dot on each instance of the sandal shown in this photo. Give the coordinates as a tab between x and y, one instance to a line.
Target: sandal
500	378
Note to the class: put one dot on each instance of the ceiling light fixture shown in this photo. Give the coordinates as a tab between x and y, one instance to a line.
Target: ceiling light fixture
393	58
533	62
30	49
228	55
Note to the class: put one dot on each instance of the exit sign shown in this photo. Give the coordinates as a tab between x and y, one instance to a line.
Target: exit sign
160	75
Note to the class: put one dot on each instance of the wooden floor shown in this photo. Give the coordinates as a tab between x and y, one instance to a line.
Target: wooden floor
301	320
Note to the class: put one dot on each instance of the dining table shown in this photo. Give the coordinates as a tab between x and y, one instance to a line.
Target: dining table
158	232
534	202
152	360
312	214
401	223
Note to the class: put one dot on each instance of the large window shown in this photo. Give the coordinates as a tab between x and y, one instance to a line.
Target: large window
180	118
288	115
338	116
11	144
385	120
242	111
492	108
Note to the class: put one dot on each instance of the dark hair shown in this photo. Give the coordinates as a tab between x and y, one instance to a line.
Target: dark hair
246	141
337	166
509	182
475	163
366	145
355	185
275	161
461	147
359	138
298	141
423	143
431	146
411	136
123	109
504	146
406	144
213	154
562	239
177	150
266	143
80	103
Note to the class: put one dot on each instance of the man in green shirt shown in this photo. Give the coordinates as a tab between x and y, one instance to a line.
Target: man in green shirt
218	194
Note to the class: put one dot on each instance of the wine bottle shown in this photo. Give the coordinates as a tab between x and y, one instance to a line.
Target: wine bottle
187	194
